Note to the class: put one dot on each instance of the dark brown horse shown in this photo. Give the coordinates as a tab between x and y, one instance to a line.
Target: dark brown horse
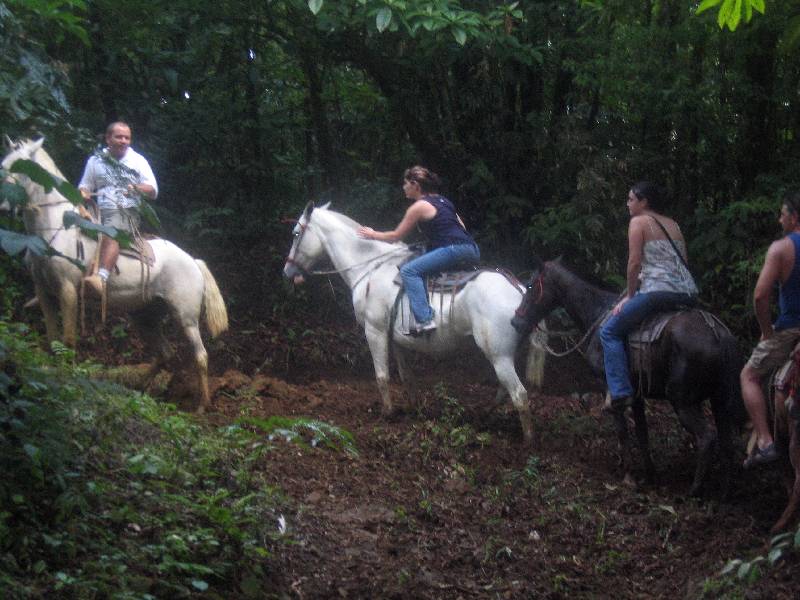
692	360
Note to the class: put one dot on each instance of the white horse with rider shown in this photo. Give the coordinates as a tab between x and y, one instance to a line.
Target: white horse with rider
175	285
480	312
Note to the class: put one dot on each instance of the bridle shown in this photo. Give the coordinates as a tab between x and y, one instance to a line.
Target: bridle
537	285
303	227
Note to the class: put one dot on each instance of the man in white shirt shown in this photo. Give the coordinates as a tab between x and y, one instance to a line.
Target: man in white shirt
119	185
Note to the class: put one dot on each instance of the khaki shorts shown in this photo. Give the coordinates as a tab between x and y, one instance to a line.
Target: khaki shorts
772	353
125	219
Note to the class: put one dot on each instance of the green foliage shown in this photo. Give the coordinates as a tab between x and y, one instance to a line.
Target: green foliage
292	430
731	12
750	571
33	89
736	232
106	493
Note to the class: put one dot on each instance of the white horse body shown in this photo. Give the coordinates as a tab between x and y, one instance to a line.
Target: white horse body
482	310
176	281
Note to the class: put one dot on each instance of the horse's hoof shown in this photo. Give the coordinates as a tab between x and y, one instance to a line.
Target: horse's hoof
392	414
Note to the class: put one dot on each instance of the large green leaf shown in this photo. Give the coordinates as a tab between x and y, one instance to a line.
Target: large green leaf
48	181
14	243
149	215
13	193
73	219
383	18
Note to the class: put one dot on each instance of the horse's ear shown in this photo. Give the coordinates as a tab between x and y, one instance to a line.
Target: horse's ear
309	209
36	145
8	143
326	205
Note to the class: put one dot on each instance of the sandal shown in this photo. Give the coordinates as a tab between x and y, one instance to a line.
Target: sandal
761	457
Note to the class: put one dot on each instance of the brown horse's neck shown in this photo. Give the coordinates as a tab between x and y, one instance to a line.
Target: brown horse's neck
583	302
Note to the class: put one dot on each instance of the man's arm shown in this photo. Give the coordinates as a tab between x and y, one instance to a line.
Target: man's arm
762	295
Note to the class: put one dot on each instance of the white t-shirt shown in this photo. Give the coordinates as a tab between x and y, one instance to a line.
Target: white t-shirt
111	183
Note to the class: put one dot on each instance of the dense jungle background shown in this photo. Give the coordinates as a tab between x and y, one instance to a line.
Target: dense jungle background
539	115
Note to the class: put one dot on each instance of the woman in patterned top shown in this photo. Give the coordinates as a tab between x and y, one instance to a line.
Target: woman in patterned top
658	279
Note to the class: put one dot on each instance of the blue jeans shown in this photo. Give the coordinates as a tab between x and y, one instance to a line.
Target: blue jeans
614	333
435	261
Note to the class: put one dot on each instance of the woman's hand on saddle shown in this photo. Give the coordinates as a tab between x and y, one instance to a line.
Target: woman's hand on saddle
619	305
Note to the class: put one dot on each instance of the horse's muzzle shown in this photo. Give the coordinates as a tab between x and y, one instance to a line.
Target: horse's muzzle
291	271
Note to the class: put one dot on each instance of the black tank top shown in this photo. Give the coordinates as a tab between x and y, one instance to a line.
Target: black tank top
443	229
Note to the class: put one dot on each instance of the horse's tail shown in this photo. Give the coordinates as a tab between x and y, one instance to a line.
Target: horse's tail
213	303
730	368
537	355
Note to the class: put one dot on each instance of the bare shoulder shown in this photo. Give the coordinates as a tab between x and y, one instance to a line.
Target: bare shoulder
780	250
422	208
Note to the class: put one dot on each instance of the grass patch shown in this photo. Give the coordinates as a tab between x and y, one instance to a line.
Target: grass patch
106	493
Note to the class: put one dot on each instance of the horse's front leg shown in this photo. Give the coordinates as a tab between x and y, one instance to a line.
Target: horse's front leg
643	438
620	421
379	348
49	312
68	302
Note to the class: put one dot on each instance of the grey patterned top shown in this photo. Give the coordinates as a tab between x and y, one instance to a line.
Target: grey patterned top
663	271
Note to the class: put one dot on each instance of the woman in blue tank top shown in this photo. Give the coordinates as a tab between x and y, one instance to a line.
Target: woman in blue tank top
449	245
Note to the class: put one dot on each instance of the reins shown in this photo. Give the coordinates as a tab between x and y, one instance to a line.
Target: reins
538	286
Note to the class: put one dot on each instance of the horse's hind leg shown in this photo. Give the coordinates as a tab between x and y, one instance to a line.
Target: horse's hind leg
693	419
725	435
192	333
794	494
407	377
504	369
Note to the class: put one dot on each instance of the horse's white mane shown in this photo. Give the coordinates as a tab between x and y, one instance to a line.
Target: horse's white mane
344	219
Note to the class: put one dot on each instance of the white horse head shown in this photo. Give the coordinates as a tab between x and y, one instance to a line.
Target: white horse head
307	247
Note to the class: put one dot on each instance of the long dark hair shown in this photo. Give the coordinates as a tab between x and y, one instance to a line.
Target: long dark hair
655	194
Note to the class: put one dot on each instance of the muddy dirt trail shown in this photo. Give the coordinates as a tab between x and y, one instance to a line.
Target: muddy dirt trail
446	502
